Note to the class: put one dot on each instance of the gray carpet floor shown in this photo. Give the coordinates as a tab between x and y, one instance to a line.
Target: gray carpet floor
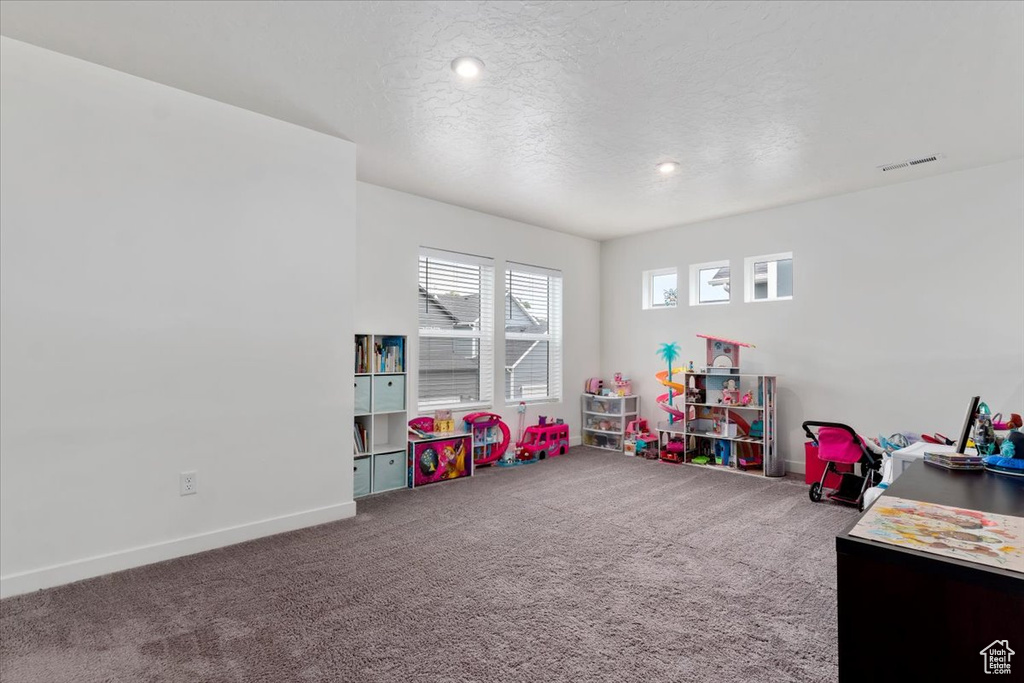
587	567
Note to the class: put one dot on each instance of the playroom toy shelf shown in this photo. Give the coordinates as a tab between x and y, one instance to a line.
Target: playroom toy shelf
712	412
380	421
605	419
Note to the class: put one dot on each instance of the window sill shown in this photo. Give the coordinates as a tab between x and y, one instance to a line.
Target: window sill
711	303
457	408
768	301
533	402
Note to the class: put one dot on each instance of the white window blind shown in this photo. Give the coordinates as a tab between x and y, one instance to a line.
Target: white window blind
533	333
456	325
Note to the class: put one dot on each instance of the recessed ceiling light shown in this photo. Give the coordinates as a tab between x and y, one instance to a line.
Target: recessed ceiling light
668	167
467	67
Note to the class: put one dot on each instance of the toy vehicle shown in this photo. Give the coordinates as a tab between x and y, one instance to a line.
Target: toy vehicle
674	450
540	441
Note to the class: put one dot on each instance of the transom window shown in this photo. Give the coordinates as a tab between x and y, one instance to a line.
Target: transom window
710	283
660	288
768	278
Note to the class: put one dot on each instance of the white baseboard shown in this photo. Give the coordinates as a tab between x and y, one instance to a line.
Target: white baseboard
796	466
56	575
575	441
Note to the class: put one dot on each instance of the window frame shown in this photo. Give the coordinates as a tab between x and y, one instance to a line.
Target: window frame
483	336
648	288
695	270
553	337
748	277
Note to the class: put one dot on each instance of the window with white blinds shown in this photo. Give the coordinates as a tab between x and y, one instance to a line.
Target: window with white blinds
456	323
533	333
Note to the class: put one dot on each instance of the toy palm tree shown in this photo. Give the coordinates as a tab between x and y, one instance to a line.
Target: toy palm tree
669	352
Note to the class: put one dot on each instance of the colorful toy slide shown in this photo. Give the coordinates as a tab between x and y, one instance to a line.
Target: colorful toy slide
680	389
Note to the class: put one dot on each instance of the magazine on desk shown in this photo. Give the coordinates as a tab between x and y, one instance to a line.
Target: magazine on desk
983	537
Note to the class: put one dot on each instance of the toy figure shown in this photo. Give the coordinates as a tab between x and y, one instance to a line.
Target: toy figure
454	462
748	398
984	435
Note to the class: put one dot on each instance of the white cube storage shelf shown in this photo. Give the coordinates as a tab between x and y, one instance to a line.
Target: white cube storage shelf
380	427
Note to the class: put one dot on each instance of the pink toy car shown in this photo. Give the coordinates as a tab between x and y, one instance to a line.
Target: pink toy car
540	441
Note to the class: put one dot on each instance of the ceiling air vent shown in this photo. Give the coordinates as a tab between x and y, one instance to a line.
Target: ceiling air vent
910	162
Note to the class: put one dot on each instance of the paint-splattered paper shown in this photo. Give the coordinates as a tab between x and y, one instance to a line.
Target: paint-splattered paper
983	537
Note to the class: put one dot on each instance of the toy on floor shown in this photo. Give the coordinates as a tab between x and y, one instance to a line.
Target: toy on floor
645	445
839	444
491	437
510	458
674	450
638	436
541	441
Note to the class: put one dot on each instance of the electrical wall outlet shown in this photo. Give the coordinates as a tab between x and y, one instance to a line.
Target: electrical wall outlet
189	483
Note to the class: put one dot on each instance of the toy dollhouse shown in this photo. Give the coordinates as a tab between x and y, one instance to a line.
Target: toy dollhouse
723	355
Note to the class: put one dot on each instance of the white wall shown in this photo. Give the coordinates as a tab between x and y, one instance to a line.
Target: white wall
392	227
907	302
177	280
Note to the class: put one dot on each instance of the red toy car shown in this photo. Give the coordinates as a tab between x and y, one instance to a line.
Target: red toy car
674	450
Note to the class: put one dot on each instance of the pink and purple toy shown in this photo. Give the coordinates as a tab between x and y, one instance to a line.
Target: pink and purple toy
491	437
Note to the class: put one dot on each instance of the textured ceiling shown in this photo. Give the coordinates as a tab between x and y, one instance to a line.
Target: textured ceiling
762	104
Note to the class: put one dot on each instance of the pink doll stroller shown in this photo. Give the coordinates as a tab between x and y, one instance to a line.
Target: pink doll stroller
838	444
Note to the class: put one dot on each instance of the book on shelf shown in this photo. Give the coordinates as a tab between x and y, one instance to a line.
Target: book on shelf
390	355
362	356
359	438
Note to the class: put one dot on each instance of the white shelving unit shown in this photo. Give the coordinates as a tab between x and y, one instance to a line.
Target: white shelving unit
707	418
381	422
604	420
